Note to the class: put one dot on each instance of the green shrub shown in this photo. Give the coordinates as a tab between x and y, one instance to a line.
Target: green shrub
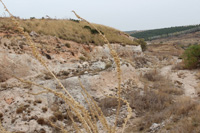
191	57
142	43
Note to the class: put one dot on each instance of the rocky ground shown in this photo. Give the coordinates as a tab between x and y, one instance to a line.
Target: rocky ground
21	111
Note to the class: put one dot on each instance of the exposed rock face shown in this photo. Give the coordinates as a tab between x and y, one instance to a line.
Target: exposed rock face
24	112
103	52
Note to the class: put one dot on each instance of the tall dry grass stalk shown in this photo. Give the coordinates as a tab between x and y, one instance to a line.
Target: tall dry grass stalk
87	119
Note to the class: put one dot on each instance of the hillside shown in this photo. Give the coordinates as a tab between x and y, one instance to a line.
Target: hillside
73	30
160	93
164	32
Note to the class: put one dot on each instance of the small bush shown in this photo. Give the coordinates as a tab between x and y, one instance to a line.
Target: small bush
191	57
142	43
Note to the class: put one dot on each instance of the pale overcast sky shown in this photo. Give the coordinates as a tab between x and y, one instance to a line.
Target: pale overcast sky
124	15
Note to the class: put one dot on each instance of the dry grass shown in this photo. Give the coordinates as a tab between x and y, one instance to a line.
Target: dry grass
69	30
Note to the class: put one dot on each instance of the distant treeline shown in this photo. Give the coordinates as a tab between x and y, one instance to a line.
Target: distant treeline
165	32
